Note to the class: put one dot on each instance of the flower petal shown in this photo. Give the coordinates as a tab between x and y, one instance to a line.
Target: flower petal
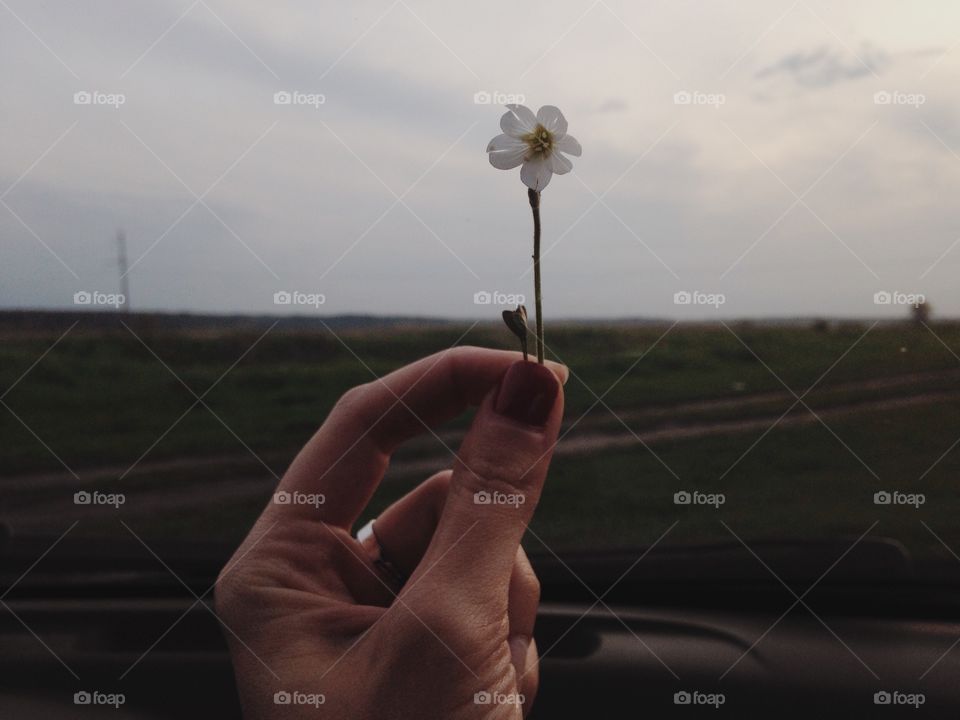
553	120
569	145
536	172
519	121
560	164
505	142
506	152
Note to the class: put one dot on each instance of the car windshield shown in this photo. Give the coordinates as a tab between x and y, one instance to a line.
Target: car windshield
702	433
215	227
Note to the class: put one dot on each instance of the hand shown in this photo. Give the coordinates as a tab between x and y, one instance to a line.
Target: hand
305	609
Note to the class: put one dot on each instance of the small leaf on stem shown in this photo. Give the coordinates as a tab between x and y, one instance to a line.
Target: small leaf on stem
516	320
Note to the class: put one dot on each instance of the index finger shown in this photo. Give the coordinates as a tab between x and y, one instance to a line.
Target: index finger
346	458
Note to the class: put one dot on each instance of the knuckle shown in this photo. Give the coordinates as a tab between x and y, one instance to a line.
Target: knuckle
437	486
467	633
227	594
529	582
535	589
459	353
236	588
352	408
506	472
435	490
454	362
352	399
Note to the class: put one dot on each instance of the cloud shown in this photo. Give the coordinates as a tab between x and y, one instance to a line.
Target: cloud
613	105
826	66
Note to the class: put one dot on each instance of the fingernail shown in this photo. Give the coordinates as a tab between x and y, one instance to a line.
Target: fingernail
527	393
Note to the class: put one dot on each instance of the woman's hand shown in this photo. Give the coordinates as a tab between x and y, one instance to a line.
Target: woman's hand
313	622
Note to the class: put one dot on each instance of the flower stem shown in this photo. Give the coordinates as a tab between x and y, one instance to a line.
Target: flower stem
534	198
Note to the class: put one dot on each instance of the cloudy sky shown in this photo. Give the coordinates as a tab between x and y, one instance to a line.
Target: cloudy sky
816	163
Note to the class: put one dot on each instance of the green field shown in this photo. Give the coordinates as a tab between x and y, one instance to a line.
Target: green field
100	399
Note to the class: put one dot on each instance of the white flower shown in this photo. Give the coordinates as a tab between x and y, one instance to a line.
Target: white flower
536	141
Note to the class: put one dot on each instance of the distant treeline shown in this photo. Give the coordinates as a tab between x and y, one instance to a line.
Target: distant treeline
12	320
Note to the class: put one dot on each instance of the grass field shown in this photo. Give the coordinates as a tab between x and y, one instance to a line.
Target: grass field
702	397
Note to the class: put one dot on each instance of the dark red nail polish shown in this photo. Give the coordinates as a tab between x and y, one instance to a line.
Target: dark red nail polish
527	393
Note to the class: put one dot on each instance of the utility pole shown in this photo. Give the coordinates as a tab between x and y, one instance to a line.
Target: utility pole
122	266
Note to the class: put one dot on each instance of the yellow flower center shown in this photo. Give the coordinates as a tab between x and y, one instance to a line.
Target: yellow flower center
540	141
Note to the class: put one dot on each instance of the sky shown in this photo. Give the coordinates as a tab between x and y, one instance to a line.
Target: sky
757	158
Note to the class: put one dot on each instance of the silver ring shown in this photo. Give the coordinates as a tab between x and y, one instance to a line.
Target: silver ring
367	537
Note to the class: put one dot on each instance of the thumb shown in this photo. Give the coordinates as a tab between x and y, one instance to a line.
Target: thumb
496	482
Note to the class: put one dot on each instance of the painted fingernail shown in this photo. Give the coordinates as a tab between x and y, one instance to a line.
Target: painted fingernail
527	393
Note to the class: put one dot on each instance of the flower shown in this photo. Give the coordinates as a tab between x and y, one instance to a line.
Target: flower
537	141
